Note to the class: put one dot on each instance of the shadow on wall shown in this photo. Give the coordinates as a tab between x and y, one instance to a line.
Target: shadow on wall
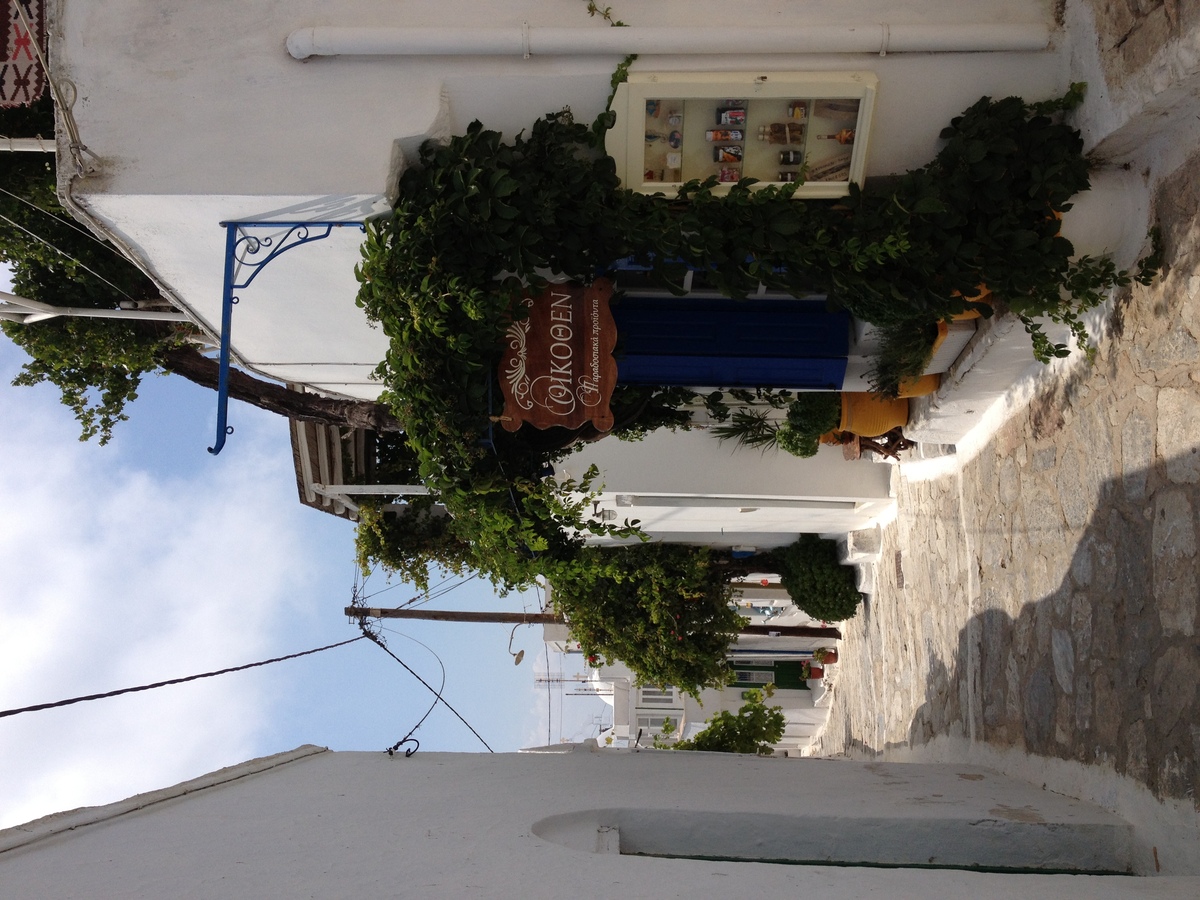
1105	669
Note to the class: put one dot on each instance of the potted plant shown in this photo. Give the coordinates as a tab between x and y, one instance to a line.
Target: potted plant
825	656
810	415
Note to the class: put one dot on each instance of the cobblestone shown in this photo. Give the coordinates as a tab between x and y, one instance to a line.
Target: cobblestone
1045	596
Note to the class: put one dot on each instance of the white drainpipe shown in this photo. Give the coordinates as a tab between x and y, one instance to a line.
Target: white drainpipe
27	145
526	40
25	311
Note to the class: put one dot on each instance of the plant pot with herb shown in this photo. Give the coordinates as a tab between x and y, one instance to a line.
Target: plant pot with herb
810	415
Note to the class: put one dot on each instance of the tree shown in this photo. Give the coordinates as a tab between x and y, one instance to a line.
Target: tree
98	364
665	610
662	609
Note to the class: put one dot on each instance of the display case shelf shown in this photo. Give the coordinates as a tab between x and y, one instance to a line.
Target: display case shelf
674	127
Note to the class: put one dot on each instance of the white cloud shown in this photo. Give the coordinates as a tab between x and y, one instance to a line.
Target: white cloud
114	577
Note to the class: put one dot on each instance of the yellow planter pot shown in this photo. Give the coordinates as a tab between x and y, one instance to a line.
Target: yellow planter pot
869	415
919	385
984	296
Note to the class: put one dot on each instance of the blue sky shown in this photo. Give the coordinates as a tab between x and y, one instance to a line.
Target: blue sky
150	559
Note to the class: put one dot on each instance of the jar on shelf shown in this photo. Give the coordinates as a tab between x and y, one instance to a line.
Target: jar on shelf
731	115
781	133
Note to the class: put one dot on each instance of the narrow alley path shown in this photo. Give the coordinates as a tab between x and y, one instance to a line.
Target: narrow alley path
1045	598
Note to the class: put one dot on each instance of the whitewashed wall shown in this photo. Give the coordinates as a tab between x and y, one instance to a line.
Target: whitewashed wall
197	113
526	825
688	487
181	98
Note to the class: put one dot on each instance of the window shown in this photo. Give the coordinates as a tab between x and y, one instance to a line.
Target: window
652	724
765	676
652	696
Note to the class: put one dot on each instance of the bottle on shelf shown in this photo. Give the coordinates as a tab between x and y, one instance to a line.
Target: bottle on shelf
845	136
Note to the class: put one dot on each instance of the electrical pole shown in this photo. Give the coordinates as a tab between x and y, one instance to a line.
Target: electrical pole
520	618
453	615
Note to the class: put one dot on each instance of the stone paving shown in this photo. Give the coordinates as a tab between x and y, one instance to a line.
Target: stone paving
1045	597
1131	32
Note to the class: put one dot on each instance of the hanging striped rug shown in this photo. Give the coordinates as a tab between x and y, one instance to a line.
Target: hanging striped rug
21	77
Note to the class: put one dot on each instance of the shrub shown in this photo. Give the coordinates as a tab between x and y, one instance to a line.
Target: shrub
816	582
752	729
814	413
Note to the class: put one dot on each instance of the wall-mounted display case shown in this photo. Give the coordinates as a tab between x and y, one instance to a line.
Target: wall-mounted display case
672	127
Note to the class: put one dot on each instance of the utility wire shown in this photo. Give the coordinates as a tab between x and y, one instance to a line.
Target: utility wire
65	221
379	641
76	146
158	684
440	589
432	706
65	254
434	594
357	598
360	591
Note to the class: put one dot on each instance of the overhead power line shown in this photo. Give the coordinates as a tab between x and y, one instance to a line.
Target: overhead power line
65	254
158	684
378	640
408	738
62	220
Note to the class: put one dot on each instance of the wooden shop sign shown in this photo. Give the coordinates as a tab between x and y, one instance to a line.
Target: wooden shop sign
558	367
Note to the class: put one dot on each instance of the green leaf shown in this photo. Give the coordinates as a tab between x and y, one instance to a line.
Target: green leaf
929	205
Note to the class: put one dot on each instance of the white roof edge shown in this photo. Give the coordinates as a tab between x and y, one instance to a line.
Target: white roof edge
59	823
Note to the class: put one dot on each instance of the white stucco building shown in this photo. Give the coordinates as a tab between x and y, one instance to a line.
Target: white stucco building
648	824
294	112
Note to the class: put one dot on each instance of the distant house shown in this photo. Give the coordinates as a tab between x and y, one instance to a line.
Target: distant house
641	713
273	118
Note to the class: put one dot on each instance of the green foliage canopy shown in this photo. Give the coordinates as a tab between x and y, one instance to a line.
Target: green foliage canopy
97	364
663	609
481	221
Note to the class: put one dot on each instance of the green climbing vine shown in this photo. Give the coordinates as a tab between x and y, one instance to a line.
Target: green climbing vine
481	222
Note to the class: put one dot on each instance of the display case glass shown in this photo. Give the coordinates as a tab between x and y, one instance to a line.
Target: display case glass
675	127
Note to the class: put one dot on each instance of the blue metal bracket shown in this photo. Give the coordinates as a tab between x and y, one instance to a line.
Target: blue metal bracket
245	256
